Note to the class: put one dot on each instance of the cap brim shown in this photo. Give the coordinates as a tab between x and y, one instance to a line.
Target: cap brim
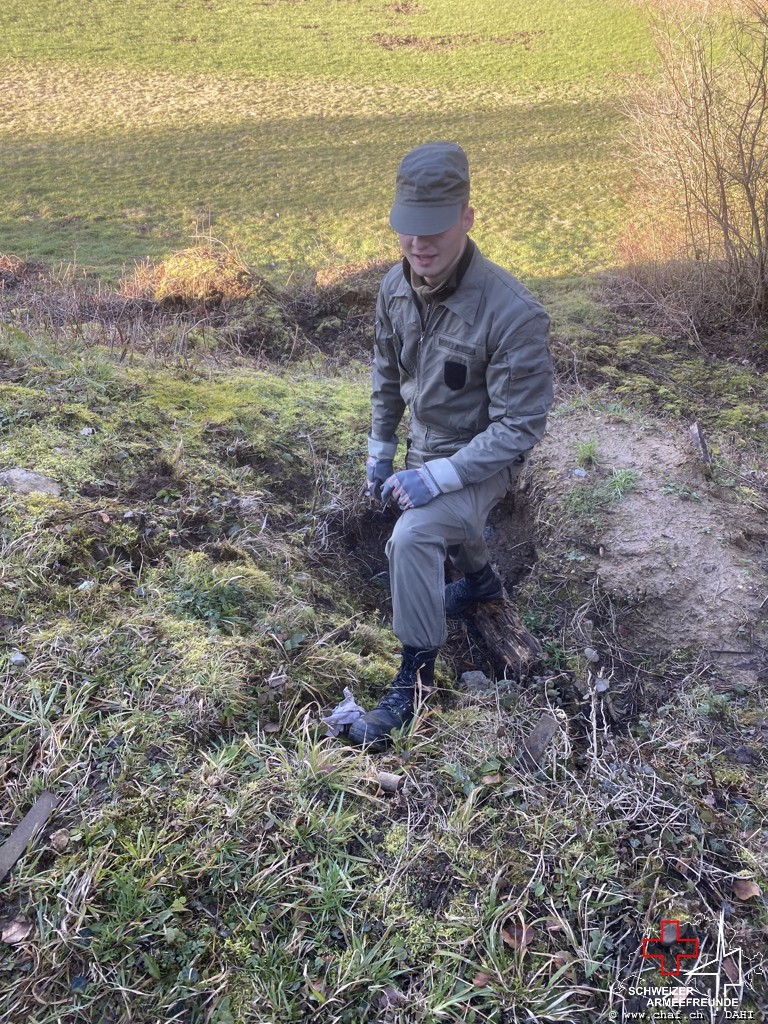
409	219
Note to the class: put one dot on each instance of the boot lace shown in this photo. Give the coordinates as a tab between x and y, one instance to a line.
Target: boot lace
399	699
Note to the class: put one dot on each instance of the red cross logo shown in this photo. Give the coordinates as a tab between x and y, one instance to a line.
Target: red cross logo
653	949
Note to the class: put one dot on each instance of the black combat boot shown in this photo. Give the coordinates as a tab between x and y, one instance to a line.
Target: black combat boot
483	585
395	710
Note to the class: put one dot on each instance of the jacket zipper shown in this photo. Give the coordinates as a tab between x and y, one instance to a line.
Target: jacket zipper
424	328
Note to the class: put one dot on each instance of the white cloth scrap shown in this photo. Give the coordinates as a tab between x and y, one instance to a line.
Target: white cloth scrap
343	714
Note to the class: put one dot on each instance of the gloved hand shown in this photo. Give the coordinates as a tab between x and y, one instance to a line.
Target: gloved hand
410	488
376	473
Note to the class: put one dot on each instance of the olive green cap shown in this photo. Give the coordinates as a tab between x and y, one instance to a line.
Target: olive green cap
432	189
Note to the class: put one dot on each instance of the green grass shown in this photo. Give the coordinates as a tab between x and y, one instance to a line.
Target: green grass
121	143
538	43
187	608
589	502
192	601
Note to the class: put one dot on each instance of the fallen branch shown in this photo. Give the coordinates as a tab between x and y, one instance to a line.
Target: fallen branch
22	835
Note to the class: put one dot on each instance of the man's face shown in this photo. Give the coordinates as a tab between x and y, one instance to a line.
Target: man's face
432	256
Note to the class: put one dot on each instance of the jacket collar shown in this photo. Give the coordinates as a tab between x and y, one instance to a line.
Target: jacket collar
464	298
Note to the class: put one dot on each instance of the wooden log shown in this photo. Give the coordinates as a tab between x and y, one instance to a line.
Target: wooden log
389	783
511	644
534	745
22	835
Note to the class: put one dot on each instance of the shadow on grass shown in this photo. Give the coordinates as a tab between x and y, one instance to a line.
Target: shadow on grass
306	189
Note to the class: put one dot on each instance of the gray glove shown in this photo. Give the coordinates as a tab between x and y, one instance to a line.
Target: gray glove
376	472
411	488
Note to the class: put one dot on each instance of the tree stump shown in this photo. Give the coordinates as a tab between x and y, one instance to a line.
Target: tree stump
510	643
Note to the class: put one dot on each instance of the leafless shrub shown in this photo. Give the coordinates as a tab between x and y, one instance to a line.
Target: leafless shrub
697	248
14	270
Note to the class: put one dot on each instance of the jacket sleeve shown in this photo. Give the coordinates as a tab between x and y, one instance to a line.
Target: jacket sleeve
519	380
386	401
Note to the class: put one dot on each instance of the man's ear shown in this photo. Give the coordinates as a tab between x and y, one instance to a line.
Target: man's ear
468	218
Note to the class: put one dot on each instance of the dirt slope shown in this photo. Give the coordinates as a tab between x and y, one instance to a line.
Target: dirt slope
690	554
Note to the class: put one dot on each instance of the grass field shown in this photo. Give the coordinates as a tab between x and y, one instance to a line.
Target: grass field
279	127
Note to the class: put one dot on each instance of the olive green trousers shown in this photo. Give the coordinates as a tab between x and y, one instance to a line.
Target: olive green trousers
450	525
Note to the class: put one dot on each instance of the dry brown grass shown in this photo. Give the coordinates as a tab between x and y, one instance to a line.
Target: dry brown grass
208	274
14	270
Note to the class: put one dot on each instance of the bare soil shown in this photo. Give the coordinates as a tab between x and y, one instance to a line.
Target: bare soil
688	554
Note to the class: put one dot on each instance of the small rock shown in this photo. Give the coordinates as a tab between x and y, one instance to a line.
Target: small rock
86	585
475	680
25	481
17	658
87	431
60	840
580	473
744	755
591	654
601	684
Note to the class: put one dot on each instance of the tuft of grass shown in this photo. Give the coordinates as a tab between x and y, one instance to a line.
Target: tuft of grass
201	276
588	503
587	454
621	481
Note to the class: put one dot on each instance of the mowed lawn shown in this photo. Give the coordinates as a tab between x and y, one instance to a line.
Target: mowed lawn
278	125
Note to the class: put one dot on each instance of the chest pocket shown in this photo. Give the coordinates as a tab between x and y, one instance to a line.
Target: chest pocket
458	346
459	357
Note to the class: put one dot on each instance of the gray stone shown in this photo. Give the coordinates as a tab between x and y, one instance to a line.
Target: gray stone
602	685
25	481
17	658
475	680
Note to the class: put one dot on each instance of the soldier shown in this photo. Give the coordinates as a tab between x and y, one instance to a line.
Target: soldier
464	346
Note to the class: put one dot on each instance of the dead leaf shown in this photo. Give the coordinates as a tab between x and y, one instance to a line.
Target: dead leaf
745	889
492	780
517	936
17	931
481	979
317	990
563	957
535	744
270	727
731	970
391	996
278	680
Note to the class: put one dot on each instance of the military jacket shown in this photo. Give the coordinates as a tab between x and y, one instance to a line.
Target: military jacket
473	369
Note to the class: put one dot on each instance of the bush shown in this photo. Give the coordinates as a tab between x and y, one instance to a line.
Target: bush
697	248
